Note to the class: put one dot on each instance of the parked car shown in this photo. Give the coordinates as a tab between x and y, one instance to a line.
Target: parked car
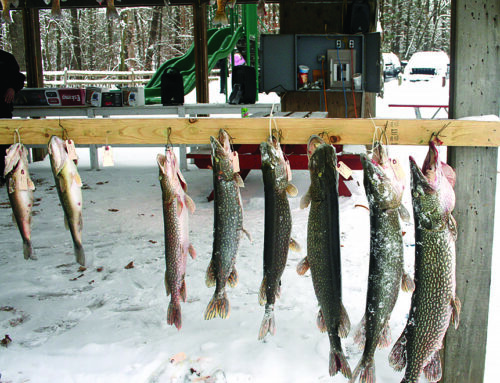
392	66
426	66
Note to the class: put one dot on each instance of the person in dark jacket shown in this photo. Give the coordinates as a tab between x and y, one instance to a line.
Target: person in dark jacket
11	82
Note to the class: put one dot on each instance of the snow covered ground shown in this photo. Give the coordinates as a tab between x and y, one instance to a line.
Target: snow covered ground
108	323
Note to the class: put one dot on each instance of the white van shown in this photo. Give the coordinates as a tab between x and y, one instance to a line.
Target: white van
426	66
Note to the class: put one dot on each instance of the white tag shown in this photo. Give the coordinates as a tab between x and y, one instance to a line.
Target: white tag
70	148
344	170
288	171
107	158
236	162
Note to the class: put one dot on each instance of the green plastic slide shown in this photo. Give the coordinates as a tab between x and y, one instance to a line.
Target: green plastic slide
221	43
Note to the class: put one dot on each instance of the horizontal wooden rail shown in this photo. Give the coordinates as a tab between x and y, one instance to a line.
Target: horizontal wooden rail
249	130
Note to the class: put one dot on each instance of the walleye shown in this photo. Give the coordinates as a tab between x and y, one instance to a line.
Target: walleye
384	191
69	189
434	302
220	15
176	204
228	226
277	228
323	249
20	189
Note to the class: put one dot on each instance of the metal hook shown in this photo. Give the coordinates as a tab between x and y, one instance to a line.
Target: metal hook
435	136
64	131
169	142
18	136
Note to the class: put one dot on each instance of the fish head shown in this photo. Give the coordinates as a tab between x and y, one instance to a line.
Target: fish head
222	155
58	153
323	159
169	172
432	189
380	187
312	144
16	155
272	158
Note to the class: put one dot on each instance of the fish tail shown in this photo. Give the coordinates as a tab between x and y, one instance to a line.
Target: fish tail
174	314
80	254
384	339
28	250
218	306
221	18
397	357
338	362
365	371
262	292
268	324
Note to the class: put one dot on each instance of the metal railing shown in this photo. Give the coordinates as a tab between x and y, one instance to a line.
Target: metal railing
73	78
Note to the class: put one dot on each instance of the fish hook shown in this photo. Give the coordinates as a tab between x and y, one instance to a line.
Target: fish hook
169	142
64	131
18	136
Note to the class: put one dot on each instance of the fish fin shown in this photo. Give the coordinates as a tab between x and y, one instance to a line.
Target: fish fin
233	278
239	180
303	266
384	339
360	336
366	372
174	315
456	307
292	190
404	214
247	234
210	275
320	321
345	323
183	290
192	251
189	203
77	180
180	206
338	362
433	371
294	245
220	18
305	200
167	287
160	160
268	325
397	357
262	293
80	255
218	306
407	283
28	251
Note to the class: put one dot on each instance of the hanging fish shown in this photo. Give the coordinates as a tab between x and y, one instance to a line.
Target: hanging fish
20	189
176	204
434	302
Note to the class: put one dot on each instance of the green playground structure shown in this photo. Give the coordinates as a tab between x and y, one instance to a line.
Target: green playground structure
221	43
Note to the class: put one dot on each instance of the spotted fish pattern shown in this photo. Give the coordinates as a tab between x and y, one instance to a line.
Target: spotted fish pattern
323	249
434	302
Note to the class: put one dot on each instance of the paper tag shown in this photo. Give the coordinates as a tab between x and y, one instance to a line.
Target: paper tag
288	171
236	162
398	169
22	181
344	170
70	148
107	158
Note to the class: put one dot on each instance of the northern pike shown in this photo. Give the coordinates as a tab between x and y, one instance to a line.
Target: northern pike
323	249
176	204
220	15
384	191
277	228
20	189
434	302
69	189
228	225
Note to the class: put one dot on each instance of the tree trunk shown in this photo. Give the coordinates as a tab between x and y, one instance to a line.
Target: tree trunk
153	38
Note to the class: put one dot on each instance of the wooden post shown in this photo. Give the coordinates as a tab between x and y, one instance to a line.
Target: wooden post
473	91
200	51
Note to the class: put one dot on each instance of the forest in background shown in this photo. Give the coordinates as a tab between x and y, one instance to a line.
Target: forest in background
144	38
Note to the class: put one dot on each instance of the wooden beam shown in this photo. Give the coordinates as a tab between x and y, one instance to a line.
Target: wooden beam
473	93
250	131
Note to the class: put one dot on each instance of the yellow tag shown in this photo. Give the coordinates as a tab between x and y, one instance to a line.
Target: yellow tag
344	170
107	158
398	169
70	148
22	181
288	171
236	162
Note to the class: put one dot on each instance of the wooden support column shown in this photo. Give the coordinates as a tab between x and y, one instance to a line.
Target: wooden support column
200	51
474	91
